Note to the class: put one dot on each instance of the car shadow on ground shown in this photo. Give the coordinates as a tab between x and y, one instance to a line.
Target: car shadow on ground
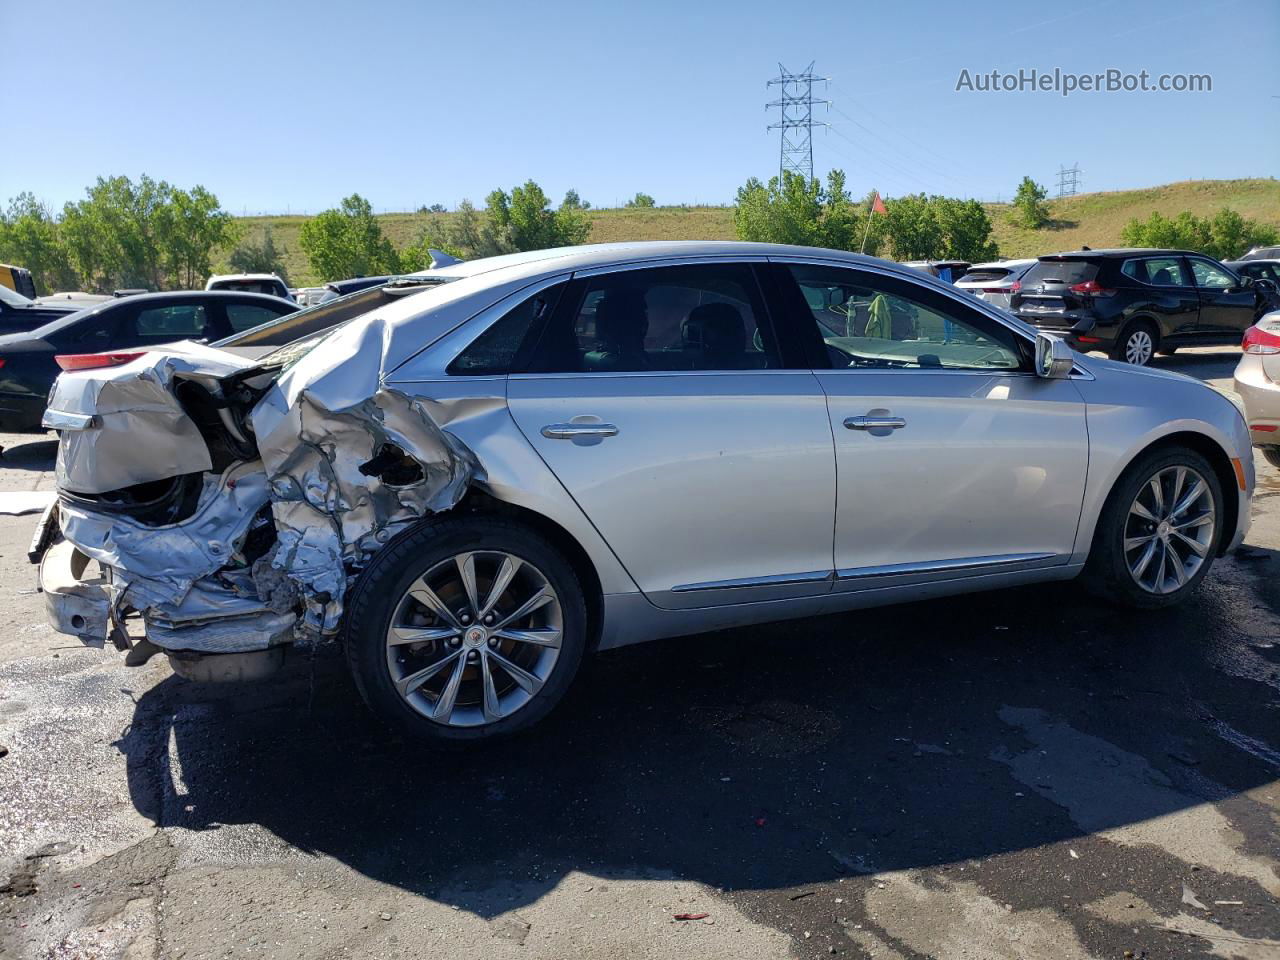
760	758
36	453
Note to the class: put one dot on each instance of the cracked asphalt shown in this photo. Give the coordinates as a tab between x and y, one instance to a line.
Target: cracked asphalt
1019	774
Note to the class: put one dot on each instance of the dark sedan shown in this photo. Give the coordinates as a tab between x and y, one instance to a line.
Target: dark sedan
19	314
27	360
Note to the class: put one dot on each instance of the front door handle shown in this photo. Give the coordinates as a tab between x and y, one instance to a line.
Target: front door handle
875	423
576	431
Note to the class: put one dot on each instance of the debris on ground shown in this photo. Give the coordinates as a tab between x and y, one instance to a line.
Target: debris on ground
801	896
1190	899
691	916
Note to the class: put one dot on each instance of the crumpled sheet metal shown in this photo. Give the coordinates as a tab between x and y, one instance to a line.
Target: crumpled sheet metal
155	566
143	435
327	418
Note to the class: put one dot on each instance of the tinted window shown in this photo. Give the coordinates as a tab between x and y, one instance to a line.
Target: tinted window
704	317
1067	272
1166	272
274	287
1211	275
495	350
246	316
178	322
875	322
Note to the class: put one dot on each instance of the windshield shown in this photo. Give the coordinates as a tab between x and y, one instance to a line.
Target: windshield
12	297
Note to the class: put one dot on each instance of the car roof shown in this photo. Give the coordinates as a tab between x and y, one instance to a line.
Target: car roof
1120	252
1237	264
243	276
173	296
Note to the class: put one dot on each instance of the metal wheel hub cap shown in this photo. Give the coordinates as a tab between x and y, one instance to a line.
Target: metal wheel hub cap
1138	348
1169	530
474	639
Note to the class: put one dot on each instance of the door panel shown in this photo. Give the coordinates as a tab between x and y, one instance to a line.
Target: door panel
1226	308
717	487
1168	292
985	471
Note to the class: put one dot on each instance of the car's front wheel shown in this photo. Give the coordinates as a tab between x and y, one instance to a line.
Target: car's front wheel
1159	531
465	629
1136	345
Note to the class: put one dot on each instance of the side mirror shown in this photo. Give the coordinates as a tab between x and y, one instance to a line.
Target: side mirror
1054	358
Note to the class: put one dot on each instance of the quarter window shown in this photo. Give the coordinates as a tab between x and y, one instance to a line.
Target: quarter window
873	322
698	317
495	350
1208	275
246	316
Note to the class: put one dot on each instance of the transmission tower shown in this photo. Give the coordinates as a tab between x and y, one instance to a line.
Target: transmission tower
1069	180
796	120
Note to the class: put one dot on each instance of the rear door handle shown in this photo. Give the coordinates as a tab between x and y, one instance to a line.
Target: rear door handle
875	423
574	431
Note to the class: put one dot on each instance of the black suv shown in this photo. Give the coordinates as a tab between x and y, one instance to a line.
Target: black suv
1132	303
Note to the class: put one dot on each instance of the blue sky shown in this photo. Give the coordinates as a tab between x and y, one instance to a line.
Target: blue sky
281	106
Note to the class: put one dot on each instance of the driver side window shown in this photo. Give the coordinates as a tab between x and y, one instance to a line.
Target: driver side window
871	322
1208	275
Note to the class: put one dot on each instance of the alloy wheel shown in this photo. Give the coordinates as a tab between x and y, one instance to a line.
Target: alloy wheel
474	638
1169	529
1138	348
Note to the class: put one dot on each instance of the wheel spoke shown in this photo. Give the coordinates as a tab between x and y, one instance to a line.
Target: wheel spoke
399	635
467	570
449	695
1139	509
547	637
1200	521
1175	561
1133	543
407	685
1196	546
1192	495
1161	572
506	573
1145	560
1157	495
523	678
539	599
1179	477
490	705
427	597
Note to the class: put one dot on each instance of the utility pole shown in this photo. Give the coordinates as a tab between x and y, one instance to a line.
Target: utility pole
796	120
1069	180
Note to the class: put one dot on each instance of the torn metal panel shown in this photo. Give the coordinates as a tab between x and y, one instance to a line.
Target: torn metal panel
139	432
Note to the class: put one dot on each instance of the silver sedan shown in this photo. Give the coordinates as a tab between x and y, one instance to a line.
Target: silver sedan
486	471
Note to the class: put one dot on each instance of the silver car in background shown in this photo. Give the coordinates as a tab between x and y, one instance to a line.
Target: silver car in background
995	282
512	462
1257	381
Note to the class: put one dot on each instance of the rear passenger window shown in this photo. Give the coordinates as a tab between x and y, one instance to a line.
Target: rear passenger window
246	316
1166	272
703	317
495	350
178	322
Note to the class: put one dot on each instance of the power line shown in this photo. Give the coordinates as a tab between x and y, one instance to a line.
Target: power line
1069	180
796	120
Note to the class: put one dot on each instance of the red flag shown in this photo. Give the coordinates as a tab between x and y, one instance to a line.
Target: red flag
877	205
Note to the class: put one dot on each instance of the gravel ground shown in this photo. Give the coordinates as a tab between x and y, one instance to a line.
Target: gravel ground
1021	774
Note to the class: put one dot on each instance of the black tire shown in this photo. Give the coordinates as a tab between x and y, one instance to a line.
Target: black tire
387	579
1107	573
1120	349
1272	455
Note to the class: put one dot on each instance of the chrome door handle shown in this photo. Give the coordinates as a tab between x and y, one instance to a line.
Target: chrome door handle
875	423
572	431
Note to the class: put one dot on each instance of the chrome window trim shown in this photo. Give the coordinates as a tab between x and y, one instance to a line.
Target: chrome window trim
940	566
776	580
669	261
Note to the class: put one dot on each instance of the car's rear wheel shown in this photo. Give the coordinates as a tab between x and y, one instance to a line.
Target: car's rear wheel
1272	455
1136	344
1159	531
465	629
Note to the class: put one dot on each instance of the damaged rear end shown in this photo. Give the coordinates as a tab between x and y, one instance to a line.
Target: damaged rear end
228	503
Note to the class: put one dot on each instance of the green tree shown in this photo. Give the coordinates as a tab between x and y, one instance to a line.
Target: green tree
189	227
347	242
113	236
799	211
921	227
524	220
260	256
640	200
574	202
29	238
1226	236
966	230
1029	204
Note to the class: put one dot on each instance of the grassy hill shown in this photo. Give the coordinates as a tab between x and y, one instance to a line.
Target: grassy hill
1095	219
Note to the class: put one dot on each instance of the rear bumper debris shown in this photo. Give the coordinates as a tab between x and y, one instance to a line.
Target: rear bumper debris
76	604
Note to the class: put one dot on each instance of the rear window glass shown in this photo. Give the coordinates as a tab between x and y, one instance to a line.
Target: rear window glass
250	286
1061	271
985	276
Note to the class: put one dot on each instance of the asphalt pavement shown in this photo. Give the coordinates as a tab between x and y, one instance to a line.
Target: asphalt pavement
1018	774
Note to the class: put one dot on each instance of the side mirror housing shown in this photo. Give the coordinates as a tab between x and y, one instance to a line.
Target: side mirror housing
1054	358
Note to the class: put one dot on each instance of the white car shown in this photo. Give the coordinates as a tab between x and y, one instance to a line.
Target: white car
268	283
995	282
1257	380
